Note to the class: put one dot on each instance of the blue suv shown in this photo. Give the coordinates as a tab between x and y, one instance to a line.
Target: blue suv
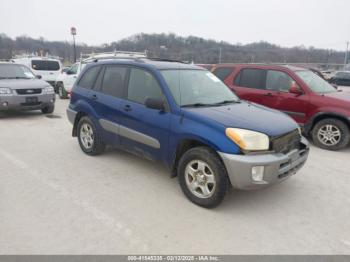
184	117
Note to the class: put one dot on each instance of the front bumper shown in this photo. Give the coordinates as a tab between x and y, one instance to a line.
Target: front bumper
277	167
18	102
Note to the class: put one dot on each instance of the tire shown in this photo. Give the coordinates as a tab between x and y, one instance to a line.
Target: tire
215	182
48	110
331	134
91	146
62	93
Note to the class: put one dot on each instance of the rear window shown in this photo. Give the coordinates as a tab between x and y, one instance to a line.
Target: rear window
45	65
223	72
251	78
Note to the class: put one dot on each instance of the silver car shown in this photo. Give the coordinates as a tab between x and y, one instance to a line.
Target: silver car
20	89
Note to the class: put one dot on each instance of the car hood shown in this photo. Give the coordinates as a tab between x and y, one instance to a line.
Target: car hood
344	96
23	83
247	115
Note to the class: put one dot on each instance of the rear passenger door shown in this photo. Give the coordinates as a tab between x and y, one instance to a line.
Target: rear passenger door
106	99
144	131
250	84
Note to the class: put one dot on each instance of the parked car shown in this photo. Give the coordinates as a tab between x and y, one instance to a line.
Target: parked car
316	105
184	117
66	80
341	78
21	90
47	67
327	74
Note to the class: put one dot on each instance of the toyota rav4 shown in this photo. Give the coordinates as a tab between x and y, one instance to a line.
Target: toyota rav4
184	117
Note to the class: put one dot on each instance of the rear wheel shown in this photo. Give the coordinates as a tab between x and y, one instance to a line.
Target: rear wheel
202	177
331	134
62	93
88	137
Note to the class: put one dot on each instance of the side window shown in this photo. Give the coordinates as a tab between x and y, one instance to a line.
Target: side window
89	77
143	85
278	81
114	81
223	72
251	78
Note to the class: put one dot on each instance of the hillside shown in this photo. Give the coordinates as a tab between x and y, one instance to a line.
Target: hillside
172	46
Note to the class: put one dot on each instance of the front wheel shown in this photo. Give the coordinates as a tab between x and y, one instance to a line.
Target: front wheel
331	134
89	138
48	110
202	177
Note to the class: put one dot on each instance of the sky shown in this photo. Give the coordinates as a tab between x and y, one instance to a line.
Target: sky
322	23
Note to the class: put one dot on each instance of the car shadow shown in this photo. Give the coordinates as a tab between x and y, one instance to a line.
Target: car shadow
20	114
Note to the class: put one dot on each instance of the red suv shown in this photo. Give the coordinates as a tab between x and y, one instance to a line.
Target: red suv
322	111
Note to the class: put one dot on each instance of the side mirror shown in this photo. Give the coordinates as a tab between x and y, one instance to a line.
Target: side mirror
295	89
68	72
38	76
155	103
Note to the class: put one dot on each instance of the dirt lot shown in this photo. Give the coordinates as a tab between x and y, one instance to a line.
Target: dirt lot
56	200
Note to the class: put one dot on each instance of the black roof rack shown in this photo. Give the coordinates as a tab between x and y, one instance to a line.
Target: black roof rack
166	60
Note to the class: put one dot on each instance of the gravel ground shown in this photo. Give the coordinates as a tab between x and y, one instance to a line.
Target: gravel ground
56	200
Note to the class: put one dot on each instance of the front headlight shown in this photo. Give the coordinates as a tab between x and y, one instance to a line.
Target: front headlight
48	90
248	140
5	91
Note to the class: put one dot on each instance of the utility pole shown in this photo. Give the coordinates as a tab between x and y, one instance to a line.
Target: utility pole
73	32
220	54
346	53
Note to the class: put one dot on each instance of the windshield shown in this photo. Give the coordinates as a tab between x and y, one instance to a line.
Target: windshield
14	71
315	83
197	88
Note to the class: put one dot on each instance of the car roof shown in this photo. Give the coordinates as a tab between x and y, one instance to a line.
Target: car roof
265	66
155	64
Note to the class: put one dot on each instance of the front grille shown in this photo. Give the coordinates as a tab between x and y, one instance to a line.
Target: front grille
29	91
287	142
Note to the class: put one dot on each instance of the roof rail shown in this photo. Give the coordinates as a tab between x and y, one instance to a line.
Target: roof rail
167	60
94	57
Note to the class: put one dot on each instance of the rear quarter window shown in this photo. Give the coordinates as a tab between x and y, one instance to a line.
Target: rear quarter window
89	77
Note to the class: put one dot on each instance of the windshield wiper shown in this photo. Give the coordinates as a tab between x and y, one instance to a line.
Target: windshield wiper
196	105
227	102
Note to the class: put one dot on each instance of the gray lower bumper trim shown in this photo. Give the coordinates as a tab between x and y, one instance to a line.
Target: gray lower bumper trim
278	167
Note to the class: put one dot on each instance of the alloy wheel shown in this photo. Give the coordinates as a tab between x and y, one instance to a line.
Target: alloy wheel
200	179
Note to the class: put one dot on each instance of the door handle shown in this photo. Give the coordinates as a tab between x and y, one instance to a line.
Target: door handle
268	94
93	97
127	108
